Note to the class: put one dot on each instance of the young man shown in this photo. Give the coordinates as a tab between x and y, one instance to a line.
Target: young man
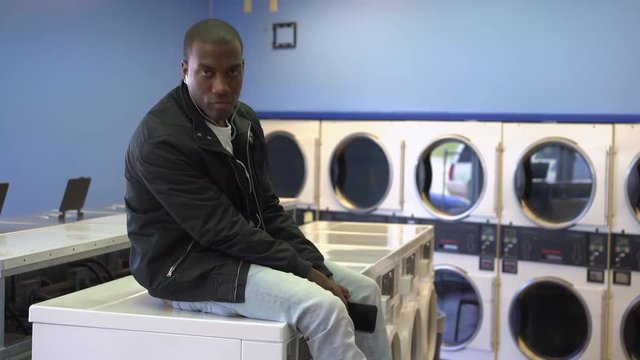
207	231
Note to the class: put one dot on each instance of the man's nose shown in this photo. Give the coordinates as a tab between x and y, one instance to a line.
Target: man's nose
220	85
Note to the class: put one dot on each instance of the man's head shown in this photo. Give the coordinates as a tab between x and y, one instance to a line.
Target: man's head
213	67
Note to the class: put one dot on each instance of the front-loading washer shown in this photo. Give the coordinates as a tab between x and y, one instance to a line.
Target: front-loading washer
553	294
624	324
465	291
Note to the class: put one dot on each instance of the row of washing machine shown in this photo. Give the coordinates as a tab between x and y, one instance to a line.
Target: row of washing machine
400	258
537	225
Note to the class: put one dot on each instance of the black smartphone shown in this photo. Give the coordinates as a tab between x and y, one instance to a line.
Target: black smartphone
363	316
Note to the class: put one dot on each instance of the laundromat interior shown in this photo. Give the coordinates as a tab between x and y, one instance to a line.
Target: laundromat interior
480	160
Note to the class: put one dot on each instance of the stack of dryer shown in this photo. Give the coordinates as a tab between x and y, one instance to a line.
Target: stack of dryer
625	250
399	257
451	182
293	154
554	240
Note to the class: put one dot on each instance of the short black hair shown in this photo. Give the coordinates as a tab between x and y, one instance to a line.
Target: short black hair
210	31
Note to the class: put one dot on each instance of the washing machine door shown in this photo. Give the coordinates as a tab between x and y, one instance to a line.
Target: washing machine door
360	173
287	166
459	298
633	188
549	319
630	330
450	178
554	183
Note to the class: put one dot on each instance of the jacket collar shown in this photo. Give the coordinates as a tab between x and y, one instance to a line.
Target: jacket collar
203	135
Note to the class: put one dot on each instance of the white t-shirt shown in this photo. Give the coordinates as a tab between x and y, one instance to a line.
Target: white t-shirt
223	134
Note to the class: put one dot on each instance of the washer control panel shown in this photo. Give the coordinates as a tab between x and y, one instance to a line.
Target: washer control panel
625	252
467	238
561	247
625	257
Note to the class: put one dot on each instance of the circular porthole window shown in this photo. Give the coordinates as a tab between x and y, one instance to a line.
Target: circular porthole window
549	320
459	299
450	178
631	330
633	188
360	173
286	164
554	184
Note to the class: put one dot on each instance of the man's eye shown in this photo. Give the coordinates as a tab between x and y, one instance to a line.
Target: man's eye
207	73
234	72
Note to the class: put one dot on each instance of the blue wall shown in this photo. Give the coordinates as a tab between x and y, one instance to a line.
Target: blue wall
494	56
77	77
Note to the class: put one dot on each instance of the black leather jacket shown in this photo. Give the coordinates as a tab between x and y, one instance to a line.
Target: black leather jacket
198	216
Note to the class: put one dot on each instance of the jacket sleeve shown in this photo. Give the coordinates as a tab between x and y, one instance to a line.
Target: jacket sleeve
180	184
278	222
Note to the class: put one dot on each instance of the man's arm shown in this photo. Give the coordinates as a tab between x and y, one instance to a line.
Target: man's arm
278	222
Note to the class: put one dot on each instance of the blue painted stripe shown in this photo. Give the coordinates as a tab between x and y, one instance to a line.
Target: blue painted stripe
503	117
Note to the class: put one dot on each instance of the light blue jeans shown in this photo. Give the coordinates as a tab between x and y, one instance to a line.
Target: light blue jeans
318	314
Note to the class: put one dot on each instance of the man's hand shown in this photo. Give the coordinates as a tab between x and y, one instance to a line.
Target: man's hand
328	284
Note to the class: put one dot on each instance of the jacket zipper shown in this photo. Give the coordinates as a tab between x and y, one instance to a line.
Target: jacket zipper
259	214
238	181
235	288
175	265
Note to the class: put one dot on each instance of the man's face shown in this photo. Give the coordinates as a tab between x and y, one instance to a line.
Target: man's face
213	74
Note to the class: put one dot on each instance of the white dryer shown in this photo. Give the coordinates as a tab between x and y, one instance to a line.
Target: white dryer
452	183
555	176
452	170
361	168
624	331
293	154
554	245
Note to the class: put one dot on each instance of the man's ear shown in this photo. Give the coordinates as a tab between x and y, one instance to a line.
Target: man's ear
185	70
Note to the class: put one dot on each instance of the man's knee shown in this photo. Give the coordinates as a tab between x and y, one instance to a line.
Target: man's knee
369	289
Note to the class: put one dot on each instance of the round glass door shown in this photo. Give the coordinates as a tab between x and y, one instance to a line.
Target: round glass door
631	330
460	301
549	320
360	173
286	164
450	178
554	184
633	188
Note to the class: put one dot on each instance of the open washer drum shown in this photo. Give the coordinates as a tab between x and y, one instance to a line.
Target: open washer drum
549	319
459	297
292	158
630	330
